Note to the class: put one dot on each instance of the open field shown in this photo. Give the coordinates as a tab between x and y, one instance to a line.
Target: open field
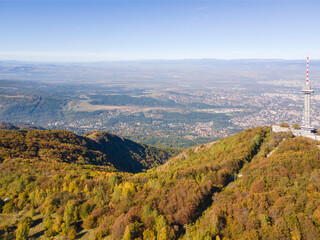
85	106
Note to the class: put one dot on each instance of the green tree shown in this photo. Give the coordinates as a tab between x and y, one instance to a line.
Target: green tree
148	234
68	215
8	207
48	221
84	210
22	232
161	227
132	231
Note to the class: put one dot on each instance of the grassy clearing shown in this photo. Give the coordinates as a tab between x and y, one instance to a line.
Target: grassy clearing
9	219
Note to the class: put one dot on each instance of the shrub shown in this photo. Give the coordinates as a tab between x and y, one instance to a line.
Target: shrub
72	234
90	222
119	226
104	227
8	207
258	186
284	125
296	126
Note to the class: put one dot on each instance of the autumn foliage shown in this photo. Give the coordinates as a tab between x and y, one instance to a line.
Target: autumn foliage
252	185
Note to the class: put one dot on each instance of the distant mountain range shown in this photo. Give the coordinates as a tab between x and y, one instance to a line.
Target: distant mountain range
162	70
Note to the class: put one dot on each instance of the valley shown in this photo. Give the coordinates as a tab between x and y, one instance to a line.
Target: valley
162	103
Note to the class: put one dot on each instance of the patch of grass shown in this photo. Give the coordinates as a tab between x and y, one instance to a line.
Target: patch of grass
9	219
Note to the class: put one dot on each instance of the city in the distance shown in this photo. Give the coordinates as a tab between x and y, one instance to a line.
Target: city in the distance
177	103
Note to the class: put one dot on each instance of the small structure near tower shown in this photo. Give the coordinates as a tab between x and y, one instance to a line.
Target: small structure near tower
306	129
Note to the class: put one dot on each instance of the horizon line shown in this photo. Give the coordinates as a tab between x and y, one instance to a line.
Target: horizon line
156	59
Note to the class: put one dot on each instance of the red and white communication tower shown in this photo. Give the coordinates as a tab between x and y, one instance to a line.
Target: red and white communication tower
307	92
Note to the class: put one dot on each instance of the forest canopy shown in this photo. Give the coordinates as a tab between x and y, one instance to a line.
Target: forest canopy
252	185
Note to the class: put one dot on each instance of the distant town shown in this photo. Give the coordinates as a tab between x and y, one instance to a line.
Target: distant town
189	105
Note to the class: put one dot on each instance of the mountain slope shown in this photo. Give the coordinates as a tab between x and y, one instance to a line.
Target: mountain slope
278	197
179	189
97	149
128	155
199	194
75	195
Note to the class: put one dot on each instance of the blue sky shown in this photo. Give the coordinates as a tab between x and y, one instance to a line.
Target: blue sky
79	30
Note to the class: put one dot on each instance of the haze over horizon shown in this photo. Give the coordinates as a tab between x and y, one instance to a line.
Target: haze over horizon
92	31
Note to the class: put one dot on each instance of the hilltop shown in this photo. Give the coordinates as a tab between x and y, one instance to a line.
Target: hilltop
253	185
96	148
10	126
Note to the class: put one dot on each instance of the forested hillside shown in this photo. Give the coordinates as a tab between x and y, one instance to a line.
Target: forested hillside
277	197
248	186
97	148
128	155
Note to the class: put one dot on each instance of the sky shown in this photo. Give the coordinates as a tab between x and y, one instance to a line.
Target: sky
86	31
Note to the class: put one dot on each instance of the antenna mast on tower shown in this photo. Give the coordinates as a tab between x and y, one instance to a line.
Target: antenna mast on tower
307	70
